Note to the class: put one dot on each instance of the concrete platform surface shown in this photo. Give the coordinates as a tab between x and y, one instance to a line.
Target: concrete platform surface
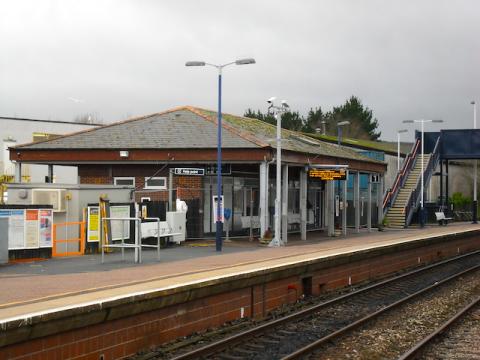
41	287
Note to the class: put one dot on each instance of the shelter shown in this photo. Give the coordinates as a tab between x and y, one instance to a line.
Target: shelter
172	154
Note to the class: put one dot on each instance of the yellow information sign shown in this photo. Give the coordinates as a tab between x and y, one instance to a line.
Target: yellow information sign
327	174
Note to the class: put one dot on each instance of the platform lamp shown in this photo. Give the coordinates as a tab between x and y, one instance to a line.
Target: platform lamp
340	126
219	227
339	132
422	121
475	203
398	147
277	112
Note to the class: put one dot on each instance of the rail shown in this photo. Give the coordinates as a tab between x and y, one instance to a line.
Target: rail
421	345
414	198
138	236
426	278
402	175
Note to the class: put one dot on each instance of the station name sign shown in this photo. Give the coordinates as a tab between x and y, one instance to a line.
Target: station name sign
327	174
189	171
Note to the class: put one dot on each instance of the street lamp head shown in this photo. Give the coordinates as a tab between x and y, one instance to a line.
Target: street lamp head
437	121
402	131
271	100
342	123
408	121
245	61
285	104
472	102
195	63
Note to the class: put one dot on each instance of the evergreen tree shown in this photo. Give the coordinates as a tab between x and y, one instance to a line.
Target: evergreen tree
362	123
290	120
313	121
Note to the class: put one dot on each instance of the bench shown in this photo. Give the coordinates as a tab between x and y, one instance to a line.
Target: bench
441	218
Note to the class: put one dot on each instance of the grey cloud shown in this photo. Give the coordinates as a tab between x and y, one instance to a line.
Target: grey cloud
404	59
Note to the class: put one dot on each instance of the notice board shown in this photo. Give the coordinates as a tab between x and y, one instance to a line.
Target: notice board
327	174
28	228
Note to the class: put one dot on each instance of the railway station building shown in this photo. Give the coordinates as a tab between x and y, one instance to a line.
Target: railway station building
172	155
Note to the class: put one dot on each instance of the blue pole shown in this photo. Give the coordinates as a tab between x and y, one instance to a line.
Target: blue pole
218	237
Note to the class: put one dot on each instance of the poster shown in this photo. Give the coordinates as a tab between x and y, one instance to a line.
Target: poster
16	228
46	221
31	228
214	210
93	229
122	211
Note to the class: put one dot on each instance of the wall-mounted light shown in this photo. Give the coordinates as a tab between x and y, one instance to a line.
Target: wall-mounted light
123	153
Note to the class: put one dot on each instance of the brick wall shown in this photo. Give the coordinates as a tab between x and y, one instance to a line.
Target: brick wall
186	187
124	337
100	180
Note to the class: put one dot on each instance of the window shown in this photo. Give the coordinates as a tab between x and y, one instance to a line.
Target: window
156	183
124	181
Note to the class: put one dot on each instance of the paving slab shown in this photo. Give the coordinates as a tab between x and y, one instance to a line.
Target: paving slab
47	286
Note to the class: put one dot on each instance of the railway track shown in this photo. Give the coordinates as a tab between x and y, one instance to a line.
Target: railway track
458	338
301	333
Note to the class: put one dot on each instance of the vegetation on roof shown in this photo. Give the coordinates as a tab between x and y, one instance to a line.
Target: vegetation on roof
370	144
291	140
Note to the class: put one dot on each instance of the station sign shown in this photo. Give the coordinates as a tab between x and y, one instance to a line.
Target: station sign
212	169
327	174
189	171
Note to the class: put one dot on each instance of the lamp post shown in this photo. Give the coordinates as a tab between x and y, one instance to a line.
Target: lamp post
340	125
398	147
218	235
277	112
339	132
474	210
422	121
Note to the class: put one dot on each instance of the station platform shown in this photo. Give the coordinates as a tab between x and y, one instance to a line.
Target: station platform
41	285
61	288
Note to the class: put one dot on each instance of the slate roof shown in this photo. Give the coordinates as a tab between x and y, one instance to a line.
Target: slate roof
389	147
179	128
189	128
291	140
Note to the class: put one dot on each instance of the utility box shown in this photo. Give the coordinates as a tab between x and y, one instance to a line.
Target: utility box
177	222
3	240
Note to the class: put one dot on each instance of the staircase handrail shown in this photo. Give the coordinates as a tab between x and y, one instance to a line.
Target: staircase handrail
414	198
402	175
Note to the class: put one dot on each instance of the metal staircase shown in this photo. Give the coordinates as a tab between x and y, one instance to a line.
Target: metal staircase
401	202
396	214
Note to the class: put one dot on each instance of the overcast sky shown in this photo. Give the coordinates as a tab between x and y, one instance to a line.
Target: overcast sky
404	59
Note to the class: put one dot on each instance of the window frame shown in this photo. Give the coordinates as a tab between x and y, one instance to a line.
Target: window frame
123	178
155	187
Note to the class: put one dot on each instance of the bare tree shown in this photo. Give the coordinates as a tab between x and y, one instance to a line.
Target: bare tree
88	118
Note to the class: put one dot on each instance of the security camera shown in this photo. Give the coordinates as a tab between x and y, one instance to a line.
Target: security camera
284	103
271	100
